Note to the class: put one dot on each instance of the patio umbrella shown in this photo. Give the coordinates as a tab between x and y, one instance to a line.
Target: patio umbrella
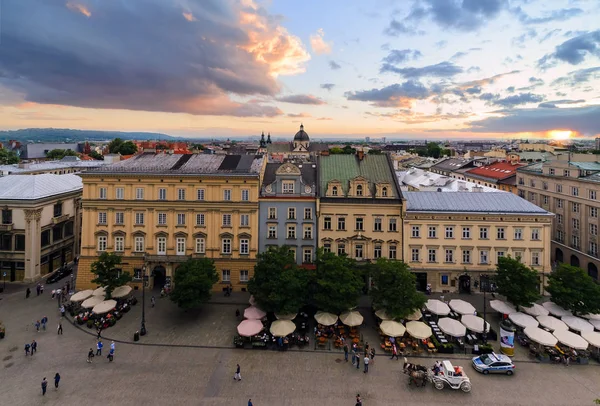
571	339
392	328
461	307
254	313
415	316
474	323
535	310
326	319
351	318
252	301
592	337
79	296
502	307
101	291
105	306
281	328
382	315
552	323
592	316
248	328
92	301
577	324
437	307
540	336
285	316
418	329
523	320
595	323
556	310
452	327
121	291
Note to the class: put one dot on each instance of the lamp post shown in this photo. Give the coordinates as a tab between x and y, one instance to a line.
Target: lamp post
144	279
484	282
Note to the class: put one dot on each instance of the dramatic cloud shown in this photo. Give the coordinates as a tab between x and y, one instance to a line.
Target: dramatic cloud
511	101
334	65
397	95
555	103
554	15
318	44
442	69
301	99
573	51
327	86
67	54
397	56
463	15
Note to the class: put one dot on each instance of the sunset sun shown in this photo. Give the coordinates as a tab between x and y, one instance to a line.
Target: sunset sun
560	134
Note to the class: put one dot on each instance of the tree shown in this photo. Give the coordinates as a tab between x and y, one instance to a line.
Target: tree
128	148
573	289
433	150
336	151
279	285
60	153
108	272
115	145
8	157
348	150
395	288
96	155
193	282
517	282
337	282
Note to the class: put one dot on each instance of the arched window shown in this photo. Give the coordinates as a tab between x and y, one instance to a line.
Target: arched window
334	191
359	190
384	192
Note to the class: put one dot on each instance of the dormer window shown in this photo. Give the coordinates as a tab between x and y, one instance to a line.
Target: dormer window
359	190
288	187
384	192
334	191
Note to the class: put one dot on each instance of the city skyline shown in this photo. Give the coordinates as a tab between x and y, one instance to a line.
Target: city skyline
428	69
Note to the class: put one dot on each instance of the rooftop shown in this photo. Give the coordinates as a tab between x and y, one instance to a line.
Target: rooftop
430	181
497	170
451	164
49	166
16	187
308	171
495	202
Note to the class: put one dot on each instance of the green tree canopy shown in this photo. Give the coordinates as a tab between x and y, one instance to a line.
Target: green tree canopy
108	272
115	145
278	284
337	282
96	155
193	282
118	146
336	151
434	150
60	153
395	288
517	282
8	157
573	289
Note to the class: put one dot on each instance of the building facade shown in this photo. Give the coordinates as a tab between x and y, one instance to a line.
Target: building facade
40	224
451	239
288	214
158	211
570	189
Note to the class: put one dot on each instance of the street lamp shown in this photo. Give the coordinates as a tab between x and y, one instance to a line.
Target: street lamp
144	281
484	283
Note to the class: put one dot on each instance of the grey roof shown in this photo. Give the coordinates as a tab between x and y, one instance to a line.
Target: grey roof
309	174
37	151
494	202
49	166
17	187
452	164
586	166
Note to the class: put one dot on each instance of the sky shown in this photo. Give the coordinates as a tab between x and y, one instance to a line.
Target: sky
344	68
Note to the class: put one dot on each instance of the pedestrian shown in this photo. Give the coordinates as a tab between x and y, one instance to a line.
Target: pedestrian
33	347
237	313
59	330
44	386
346	352
250	402
366	347
353	355
56	380
90	355
41	289
358	400
27	293
44	321
357	361
37	288
237	376
37	326
567	360
394	352
153	301
27	347
62	311
99	346
112	345
372	352
68	286
111	355
99	331
366	361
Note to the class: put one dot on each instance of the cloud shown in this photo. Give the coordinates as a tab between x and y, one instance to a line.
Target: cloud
397	56
555	15
578	77
473	90
442	69
511	101
79	8
54	56
327	86
299	115
324	119
334	65
555	103
189	16
396	95
395	28
441	44
462	15
318	44
521	39
300	99
573	51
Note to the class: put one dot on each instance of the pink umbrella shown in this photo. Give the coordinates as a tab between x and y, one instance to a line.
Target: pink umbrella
254	312
248	328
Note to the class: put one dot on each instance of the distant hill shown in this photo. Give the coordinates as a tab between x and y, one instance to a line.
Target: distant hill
68	135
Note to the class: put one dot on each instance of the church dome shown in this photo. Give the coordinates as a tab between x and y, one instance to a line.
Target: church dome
301	135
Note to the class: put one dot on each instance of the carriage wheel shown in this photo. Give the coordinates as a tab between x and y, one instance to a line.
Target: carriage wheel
439	385
465	387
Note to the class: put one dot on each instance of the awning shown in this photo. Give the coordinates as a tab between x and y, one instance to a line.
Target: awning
281	328
556	310
105	306
285	316
592	337
577	323
101	291
248	328
540	336
351	318
418	329
535	310
437	307
523	320
382	315
416	315
502	307
79	296
452	327
475	323
552	323
392	328
92	301
326	319
462	307
254	313
121	291
571	339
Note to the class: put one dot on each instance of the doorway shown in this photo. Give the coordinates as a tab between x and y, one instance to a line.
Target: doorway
421	281
593	271
558	255
160	277
464	284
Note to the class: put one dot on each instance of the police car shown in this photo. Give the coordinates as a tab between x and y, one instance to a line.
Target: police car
493	363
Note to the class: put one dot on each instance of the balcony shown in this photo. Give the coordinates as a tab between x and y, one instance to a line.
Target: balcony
6	227
60	219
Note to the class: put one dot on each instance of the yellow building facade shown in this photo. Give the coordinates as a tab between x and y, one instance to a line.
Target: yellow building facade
158	211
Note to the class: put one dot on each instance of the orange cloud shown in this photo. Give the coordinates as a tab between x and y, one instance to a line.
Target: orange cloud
318	44
79	8
189	16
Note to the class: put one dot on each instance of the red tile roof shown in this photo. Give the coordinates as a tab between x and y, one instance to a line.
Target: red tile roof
497	170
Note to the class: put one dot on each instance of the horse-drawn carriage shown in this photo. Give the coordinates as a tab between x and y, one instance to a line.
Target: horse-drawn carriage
441	375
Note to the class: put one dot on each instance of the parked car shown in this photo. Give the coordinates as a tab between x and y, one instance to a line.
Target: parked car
494	363
59	274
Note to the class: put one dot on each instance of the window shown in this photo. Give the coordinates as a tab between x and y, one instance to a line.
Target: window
226	246
575	207
45	237
535	233
559	218
58	209
532	182
244	246
416	231
359	190
180	194
291	231
377	224
68	229
57	234
307	256
444	280
432	233
449	232
288	187
181	219
431	255
139	193
272	232
139	218
551	171
227	194
244	220
119	193
545	199
392	252
414	255
377	251
483	233
576	224
244	276
499	254
20	242
593	249
592	194
293	252
594	212
327	223
200	219
334	191
384	192
102	193
161	245
560	236
341	249
466	256
101	243
162	219
521	181
359	224
272	213
291	213
180	246
575	241
466	232
449	255
518	233
200	194
393	224
574	191
593	229
483	257
162	194
559	188
120	244
358	251
545	185
559	203
226	220
226	275
139	244
341	223
535	258
500	233
307	213
245	195
327	247
566	173
6	216
102	217
307	232
200	245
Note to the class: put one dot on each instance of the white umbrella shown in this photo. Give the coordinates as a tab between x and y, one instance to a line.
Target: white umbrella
281	328
437	307
523	320
326	319
577	323
474	323
79	296
254	313
101	291
351	318
592	337
452	327
105	306
595	323
92	301
121	291
418	329
416	315
592	316
382	315
285	316
552	323
392	328
502	307
535	310
540	336
248	328
571	339
556	310
461	307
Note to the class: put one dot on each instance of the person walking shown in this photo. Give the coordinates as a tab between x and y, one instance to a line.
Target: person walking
44	386
112	345
99	346
90	356
372	353
346	352
59	329
366	361
56	380
33	347
237	376
394	352
37	289
358	400
27	293
37	326
250	402
357	361
111	355
62	311
27	347
41	289
237	313
44	321
153	301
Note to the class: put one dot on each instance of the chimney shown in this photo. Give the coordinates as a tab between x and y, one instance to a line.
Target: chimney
360	155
